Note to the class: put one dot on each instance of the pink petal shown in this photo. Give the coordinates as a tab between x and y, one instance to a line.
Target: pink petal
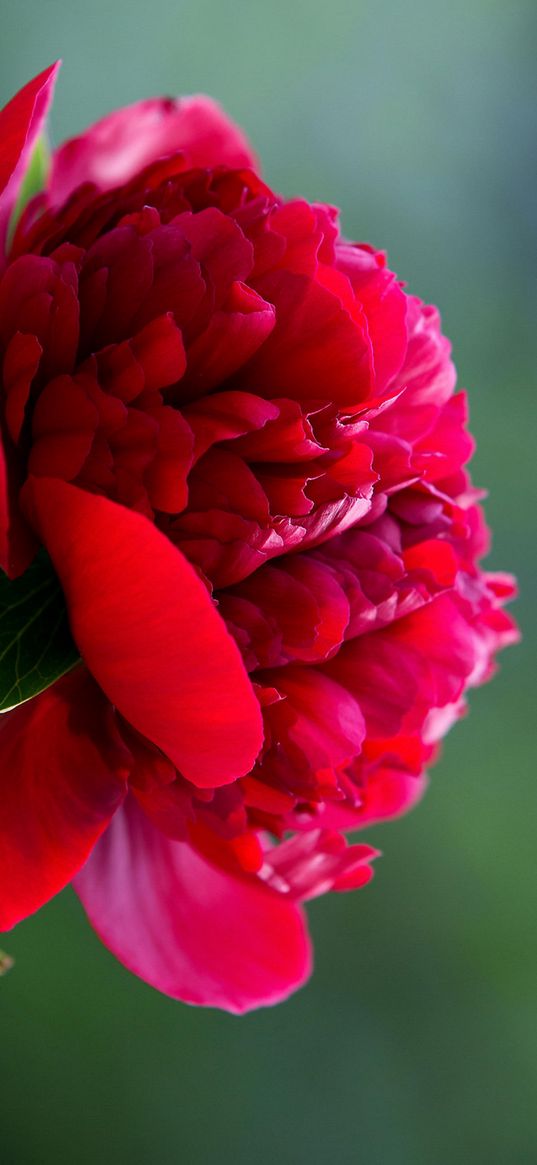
388	792
149	632
312	863
113	150
193	931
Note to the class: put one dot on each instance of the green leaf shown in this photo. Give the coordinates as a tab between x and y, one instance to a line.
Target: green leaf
35	180
36	646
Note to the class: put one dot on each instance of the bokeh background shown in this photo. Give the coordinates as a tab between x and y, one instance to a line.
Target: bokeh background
416	1041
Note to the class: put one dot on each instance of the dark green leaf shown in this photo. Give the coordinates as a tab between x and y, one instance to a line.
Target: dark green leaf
36	646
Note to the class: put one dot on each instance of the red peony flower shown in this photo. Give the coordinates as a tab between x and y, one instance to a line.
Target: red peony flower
235	435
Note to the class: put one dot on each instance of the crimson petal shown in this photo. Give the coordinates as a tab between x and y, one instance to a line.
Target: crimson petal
63	776
149	632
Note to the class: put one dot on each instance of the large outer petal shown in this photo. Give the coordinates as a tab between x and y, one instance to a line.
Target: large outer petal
113	150
21	122
149	632
62	777
195	932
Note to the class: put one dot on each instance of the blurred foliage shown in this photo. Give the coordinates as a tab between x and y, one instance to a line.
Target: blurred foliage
416	1042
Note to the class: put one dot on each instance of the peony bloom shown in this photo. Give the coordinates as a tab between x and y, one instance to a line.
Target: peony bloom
234	435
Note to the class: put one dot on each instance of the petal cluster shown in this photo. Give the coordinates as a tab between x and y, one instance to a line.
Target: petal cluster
237	437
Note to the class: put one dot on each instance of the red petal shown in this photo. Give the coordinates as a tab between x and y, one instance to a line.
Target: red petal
230	339
63	776
317	350
21	361
159	349
64	423
167	478
149	632
226	416
193	931
17	541
21	122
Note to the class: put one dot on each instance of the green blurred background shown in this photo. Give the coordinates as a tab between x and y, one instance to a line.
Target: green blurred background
416	1041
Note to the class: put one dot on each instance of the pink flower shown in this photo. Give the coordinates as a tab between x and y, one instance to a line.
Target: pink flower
236	437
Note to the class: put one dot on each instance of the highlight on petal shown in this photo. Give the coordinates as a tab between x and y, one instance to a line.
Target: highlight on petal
62	777
114	149
149	632
193	931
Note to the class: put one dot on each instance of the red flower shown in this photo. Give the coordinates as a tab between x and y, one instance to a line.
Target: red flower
236	436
